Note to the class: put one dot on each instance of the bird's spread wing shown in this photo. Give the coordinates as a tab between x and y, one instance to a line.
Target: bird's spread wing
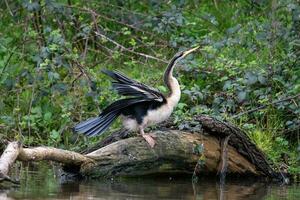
128	87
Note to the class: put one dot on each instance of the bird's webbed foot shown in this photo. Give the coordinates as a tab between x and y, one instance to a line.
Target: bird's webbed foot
149	138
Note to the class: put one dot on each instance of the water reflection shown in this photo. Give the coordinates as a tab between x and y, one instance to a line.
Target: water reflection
43	183
160	189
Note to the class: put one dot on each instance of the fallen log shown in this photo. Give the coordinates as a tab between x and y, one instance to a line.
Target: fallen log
174	153
7	159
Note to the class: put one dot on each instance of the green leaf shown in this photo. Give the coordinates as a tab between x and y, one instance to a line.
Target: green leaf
162	88
47	116
36	110
181	105
242	96
251	78
54	135
262	79
198	149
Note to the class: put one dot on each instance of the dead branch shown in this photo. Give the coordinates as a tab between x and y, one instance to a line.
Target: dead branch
7	159
53	154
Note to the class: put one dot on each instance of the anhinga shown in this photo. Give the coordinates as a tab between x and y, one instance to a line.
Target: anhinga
146	105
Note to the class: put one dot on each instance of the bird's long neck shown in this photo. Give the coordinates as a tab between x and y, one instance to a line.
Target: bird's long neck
172	83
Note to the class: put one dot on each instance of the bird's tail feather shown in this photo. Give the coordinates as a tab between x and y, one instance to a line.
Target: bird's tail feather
97	125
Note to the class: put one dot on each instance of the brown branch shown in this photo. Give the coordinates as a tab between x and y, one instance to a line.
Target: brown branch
81	68
264	106
76	78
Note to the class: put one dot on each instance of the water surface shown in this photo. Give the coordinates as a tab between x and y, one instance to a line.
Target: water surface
43	181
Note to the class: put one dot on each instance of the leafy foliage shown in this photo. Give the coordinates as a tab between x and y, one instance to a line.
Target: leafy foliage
51	54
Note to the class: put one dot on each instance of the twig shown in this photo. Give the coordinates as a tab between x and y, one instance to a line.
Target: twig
82	71
81	68
30	106
8	8
18	113
285	131
85	48
264	106
77	77
7	61
9	179
216	4
129	50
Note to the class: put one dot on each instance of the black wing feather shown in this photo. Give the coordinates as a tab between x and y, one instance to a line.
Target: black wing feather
96	126
128	87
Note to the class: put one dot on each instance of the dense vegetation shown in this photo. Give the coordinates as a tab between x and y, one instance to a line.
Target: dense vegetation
52	53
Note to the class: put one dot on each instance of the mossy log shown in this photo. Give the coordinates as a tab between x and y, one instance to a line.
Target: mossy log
174	153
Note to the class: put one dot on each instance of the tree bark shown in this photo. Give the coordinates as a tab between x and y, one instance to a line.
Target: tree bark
53	154
173	153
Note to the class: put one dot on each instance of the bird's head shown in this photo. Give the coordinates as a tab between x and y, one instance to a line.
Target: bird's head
184	53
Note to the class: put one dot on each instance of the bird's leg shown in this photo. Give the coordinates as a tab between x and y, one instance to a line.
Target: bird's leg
147	137
152	135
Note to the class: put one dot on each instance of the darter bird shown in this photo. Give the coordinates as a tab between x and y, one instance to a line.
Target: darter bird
145	106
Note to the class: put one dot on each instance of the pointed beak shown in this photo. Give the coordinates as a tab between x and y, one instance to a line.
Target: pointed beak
187	52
